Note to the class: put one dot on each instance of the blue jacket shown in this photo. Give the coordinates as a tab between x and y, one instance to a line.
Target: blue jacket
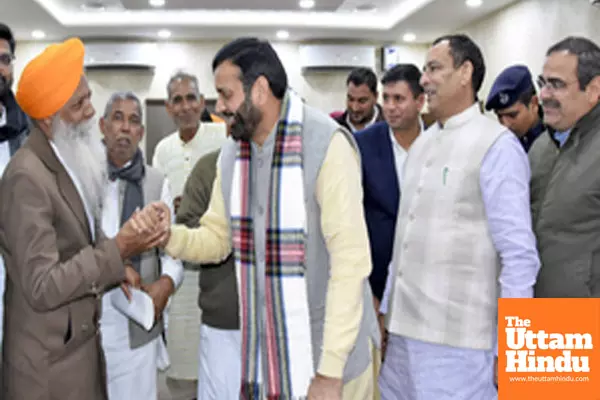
381	198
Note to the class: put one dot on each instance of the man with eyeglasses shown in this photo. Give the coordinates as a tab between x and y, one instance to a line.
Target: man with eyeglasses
565	183
14	128
515	102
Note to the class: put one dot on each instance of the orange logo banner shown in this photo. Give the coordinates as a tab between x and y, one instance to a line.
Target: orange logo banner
549	349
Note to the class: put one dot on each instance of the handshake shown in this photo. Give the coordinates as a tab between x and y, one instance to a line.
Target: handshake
145	229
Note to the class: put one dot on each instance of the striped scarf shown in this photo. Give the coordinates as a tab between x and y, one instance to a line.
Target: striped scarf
277	359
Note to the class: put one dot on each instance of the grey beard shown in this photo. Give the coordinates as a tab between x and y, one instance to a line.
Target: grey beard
85	156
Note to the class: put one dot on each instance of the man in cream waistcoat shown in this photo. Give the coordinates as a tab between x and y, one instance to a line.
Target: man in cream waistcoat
132	350
463	238
287	199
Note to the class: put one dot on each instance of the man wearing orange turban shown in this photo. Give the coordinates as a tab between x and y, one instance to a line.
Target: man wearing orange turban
58	262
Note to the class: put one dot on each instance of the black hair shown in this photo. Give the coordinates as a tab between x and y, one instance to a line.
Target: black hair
6	34
408	73
463	49
363	76
588	57
527	95
526	98
255	58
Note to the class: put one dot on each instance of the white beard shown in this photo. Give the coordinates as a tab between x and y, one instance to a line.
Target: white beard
84	154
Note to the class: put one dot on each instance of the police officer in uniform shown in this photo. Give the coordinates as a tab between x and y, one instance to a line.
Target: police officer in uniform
515	102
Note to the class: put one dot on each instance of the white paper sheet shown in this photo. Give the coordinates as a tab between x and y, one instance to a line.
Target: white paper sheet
140	308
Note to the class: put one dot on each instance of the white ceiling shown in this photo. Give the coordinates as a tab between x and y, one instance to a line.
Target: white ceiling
224	19
287	5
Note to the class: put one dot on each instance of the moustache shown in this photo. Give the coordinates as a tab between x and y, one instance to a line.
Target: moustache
551	103
124	138
233	119
237	121
228	116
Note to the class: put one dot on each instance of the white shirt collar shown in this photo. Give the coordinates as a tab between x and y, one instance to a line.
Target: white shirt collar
393	138
461	118
194	138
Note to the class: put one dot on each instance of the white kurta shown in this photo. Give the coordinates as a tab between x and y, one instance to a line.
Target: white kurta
131	374
416	370
176	160
220	361
427	368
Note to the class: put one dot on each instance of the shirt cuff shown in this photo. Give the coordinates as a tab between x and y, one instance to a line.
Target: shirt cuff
511	292
383	308
495	341
385	300
173	269
332	365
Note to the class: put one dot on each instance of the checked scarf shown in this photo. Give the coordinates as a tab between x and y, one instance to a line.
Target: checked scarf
277	359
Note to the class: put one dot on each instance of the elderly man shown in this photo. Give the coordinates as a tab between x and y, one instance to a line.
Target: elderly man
362	109
14	128
132	351
464	226
175	156
58	261
565	180
287	199
515	102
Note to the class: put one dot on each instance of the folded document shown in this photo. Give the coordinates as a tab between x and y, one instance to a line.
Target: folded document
140	308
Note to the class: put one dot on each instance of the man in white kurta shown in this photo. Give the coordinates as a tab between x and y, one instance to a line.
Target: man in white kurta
175	156
132	370
463	238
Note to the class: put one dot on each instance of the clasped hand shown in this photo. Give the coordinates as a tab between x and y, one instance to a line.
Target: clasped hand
145	229
153	220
